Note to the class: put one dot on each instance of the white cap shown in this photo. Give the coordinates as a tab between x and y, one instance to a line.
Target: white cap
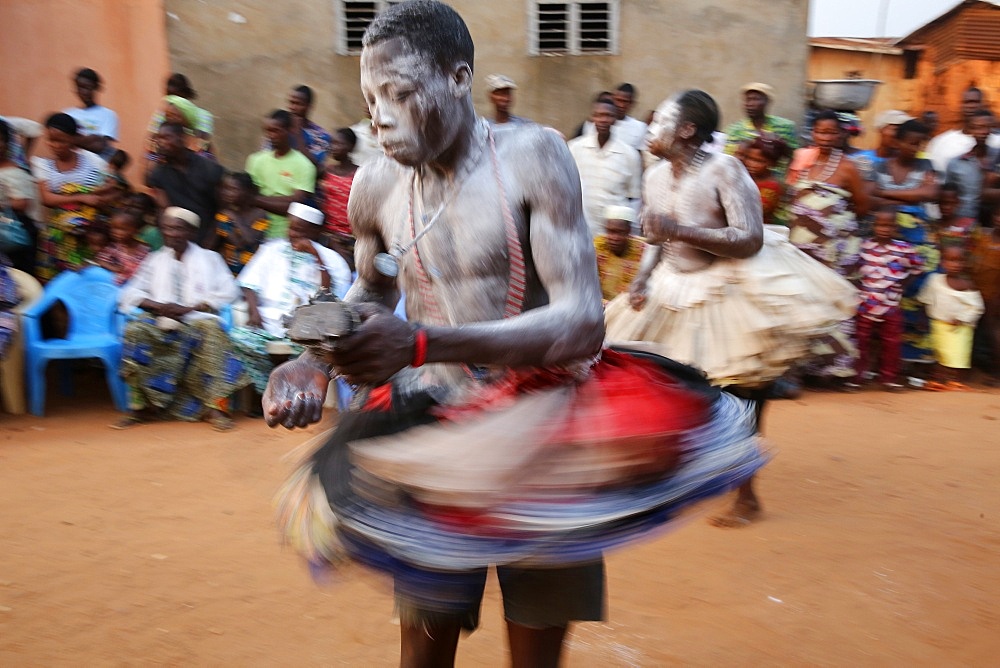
189	217
499	82
620	213
306	213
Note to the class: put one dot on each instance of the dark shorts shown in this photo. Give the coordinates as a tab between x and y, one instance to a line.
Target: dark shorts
534	597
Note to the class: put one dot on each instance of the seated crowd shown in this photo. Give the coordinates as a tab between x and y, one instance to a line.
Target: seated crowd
213	261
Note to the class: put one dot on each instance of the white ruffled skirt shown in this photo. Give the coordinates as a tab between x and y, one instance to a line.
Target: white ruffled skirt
742	322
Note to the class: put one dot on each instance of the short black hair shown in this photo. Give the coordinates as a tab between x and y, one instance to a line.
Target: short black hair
63	123
604	96
5	133
119	159
349	136
283	117
182	84
912	126
626	88
950	187
827	115
175	128
886	208
90	75
432	28
306	92
699	108
244	181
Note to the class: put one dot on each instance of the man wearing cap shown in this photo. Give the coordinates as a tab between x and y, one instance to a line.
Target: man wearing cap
756	99
501	91
618	252
956	143
283	274
177	359
610	170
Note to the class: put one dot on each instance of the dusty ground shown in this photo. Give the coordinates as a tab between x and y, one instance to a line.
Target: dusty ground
156	546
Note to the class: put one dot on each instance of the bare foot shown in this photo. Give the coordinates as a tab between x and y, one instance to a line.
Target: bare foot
743	512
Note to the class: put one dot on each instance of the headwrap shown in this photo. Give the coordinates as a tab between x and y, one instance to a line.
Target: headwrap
849	122
189	110
189	217
306	213
620	213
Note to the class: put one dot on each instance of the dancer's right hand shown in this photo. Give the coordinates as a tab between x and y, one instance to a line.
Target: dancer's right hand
637	293
295	394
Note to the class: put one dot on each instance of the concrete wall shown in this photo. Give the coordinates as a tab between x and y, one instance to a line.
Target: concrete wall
244	55
45	41
894	93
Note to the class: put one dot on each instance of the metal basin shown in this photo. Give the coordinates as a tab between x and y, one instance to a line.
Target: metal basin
843	94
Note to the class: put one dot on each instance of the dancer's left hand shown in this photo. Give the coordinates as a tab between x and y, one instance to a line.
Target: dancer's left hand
658	228
377	349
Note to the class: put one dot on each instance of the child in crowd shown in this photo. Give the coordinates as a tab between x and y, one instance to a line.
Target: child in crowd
760	156
986	276
240	227
618	253
118	162
950	227
125	252
94	237
143	206
885	266
954	307
335	187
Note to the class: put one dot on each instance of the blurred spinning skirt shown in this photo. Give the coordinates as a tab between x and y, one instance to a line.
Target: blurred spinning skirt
743	322
544	468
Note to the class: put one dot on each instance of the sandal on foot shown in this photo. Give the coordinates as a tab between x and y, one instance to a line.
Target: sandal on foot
221	423
892	387
934	386
956	386
127	422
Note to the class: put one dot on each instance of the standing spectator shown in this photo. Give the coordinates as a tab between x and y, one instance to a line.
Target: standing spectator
956	143
335	186
98	126
23	133
950	225
986	274
501	91
125	253
19	196
284	273
306	137
761	157
282	174
932	121
618	252
972	169
886	265
240	227
180	111
610	170
143	206
202	124
627	129
756	99
72	185
177	358
887	123
186	179
954	306
827	197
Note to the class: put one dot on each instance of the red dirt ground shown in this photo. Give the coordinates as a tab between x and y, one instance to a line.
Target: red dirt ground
156	545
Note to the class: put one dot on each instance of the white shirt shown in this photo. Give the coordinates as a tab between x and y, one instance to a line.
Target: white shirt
610	175
953	144
96	120
284	278
628	130
948	305
199	277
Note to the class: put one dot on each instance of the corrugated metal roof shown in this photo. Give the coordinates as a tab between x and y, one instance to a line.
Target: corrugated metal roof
884	45
915	35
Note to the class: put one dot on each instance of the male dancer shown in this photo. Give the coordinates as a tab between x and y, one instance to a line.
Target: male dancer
416	75
503	278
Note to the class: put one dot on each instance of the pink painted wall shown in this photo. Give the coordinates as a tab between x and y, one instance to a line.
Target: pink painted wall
45	41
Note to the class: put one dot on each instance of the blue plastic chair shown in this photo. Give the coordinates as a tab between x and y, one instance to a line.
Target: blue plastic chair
91	299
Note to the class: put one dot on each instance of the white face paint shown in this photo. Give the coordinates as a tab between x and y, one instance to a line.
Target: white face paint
662	132
411	102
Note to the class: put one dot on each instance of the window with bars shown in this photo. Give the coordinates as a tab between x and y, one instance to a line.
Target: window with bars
573	28
353	18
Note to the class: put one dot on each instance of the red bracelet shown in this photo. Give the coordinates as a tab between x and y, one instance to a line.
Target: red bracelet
419	347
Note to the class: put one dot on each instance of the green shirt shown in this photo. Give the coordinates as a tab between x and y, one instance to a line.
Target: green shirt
281	177
744	130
